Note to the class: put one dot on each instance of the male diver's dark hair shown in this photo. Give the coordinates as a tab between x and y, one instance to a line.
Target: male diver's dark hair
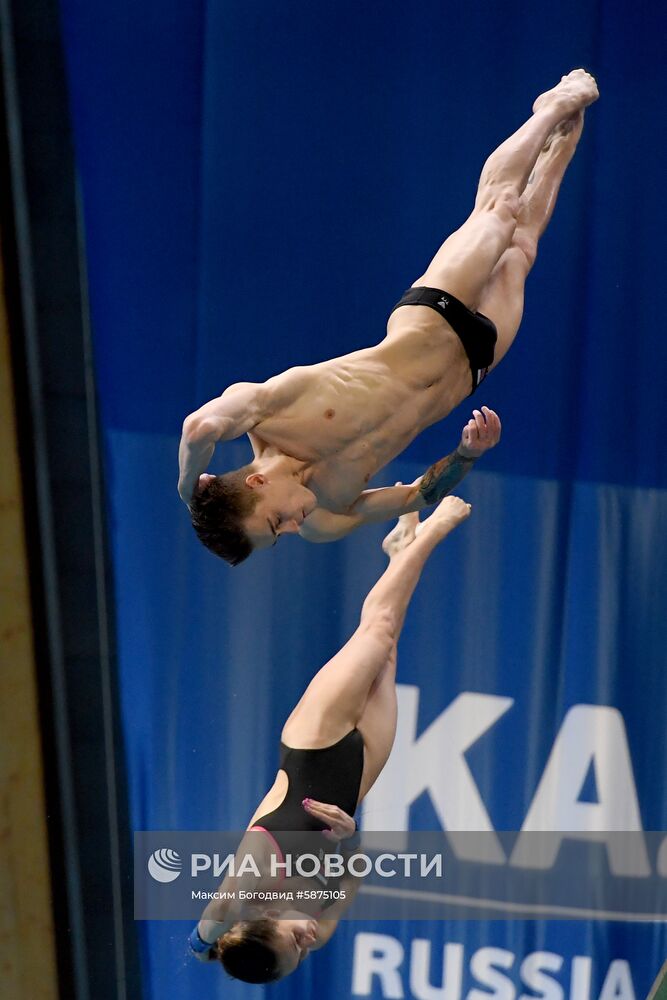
246	953
218	511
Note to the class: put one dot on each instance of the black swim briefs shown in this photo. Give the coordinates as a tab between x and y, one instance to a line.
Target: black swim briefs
476	332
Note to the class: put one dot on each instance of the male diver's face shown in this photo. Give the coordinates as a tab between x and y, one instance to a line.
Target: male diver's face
294	935
281	509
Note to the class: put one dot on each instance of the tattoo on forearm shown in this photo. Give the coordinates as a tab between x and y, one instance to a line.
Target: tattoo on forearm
443	476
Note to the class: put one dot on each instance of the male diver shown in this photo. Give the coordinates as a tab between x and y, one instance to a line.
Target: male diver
320	432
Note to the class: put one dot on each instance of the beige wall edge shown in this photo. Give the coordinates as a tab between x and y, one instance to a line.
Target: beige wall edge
27	948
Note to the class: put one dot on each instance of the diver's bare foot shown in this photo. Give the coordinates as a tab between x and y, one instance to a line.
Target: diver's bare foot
575	91
402	535
447	515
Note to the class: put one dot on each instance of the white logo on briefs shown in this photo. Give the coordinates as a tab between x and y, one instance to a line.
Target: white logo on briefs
443	302
165	865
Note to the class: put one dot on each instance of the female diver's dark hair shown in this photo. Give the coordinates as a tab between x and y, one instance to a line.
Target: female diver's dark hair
246	953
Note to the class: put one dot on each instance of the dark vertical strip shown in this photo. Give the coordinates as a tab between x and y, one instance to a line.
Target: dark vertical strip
63	476
42	511
103	612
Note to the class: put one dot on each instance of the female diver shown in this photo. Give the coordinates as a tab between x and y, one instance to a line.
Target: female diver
334	745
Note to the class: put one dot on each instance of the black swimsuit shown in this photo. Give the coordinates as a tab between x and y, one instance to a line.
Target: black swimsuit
476	332
331	774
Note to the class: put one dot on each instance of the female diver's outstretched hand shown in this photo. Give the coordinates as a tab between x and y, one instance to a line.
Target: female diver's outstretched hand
341	826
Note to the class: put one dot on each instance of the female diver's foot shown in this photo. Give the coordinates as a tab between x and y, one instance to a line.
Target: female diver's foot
449	512
447	515
402	535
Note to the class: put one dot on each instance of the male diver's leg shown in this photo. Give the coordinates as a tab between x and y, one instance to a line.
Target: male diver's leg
464	263
502	298
335	700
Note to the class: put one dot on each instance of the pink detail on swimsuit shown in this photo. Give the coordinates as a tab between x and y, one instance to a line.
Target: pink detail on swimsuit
274	842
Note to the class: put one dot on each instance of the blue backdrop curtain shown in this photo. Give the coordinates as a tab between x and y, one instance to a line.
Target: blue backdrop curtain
260	183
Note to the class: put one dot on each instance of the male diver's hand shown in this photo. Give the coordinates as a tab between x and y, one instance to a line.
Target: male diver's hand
480	433
203	482
187	494
341	826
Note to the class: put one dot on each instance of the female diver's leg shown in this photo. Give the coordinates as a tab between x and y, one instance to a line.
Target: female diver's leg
378	721
336	699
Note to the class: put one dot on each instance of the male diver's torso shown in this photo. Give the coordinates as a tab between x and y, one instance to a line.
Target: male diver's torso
353	415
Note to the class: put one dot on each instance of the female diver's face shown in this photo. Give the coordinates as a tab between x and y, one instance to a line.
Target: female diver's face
294	935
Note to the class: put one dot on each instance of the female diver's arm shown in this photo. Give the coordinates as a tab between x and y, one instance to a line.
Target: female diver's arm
222	913
217	918
343	830
349	886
